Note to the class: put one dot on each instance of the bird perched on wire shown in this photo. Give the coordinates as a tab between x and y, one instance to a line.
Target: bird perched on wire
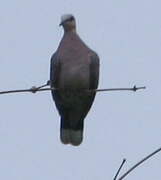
74	70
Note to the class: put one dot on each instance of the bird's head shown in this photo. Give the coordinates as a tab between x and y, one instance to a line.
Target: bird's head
68	22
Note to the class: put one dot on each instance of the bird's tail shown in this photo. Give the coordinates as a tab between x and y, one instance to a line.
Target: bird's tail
70	135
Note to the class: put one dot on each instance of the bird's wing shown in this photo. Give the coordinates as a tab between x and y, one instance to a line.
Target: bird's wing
54	70
94	71
54	82
93	82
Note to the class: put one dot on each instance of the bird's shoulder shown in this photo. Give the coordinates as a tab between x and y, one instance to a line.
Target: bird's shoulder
54	58
94	58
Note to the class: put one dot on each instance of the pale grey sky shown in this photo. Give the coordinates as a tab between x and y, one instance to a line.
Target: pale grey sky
127	36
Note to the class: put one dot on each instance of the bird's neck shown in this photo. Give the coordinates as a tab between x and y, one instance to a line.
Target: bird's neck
70	30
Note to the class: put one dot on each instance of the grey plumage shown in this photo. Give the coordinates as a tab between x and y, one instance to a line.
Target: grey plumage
74	69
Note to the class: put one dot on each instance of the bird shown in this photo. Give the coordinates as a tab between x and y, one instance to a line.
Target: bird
74	70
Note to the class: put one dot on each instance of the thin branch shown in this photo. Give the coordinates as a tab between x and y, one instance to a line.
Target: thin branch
118	171
140	162
121	89
35	89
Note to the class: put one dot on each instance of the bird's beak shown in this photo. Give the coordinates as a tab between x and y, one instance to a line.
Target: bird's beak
61	23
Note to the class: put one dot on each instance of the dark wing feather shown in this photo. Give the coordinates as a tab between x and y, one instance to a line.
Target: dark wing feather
93	83
94	71
54	79
54	70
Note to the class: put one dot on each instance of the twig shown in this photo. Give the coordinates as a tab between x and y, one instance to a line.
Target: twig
35	89
121	89
140	162
124	160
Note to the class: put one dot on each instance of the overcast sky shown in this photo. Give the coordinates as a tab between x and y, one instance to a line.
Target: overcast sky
127	36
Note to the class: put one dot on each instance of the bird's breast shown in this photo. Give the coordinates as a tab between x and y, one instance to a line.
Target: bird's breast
74	61
74	76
